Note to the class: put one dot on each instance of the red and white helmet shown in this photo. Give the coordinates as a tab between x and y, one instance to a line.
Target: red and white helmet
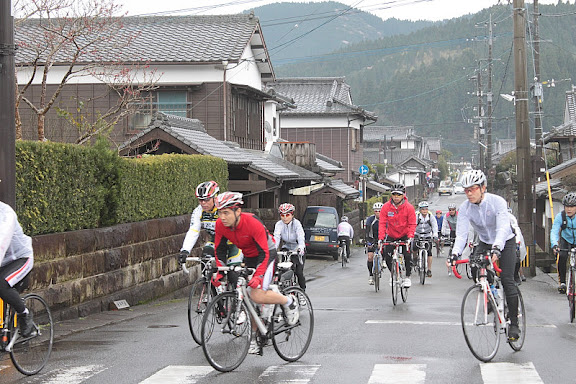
229	200
207	190
286	208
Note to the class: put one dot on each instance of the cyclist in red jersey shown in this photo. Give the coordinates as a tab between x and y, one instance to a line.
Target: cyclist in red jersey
249	234
398	222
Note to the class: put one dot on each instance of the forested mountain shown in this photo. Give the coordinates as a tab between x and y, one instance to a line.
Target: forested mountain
427	78
299	30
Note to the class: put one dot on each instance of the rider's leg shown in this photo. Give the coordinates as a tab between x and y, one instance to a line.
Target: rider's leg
507	264
370	262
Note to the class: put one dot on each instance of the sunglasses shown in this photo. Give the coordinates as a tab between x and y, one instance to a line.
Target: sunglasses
285	214
471	189
204	200
397	194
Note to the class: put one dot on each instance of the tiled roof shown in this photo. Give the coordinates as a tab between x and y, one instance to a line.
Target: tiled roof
434	143
327	164
376	186
568	128
192	133
376	133
344	189
318	96
182	39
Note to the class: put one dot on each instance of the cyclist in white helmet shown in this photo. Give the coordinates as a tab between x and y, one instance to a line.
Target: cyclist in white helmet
488	215
346	233
426	228
289	234
372	224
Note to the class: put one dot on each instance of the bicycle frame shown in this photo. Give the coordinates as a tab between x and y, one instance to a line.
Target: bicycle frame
482	281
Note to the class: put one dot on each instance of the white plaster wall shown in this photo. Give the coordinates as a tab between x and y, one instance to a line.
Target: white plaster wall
289	121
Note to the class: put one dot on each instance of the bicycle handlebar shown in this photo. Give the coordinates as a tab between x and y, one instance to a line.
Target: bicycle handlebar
464	261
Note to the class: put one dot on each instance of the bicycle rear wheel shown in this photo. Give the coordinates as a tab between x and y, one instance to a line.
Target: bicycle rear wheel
200	296
422	258
517	345
468	270
395	274
226	332
571	294
480	324
376	271
30	354
291	342
342	256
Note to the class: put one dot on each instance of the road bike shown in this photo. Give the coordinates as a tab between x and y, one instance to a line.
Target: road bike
201	294
343	251
423	244
398	271
571	282
227	324
377	267
28	354
484	311
467	267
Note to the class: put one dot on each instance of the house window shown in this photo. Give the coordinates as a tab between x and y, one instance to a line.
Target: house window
173	102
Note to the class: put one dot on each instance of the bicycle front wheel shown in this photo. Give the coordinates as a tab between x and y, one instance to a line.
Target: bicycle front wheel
480	324
422	258
292	341
226	332
200	296
517	345
395	283
571	293
376	271
342	256
31	354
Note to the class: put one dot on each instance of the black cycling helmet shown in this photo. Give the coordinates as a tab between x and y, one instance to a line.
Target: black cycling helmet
398	188
569	200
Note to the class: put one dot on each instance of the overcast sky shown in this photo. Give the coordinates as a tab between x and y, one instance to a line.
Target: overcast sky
400	9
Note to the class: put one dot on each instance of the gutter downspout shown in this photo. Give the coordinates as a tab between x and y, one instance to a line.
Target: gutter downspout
225	99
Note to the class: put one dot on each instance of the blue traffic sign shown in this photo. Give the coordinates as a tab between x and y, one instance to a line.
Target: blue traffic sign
363	169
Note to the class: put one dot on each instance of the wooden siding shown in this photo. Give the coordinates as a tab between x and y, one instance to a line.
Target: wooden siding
204	102
331	142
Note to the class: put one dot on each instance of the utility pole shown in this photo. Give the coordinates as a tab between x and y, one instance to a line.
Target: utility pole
489	100
481	132
7	105
537	86
523	160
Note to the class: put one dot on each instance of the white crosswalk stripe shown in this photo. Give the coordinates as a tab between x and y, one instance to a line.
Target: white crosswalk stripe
179	374
503	373
398	374
288	374
75	375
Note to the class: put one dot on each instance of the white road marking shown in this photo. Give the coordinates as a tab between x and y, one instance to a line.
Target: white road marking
288	374
179	374
76	375
443	323
398	374
503	373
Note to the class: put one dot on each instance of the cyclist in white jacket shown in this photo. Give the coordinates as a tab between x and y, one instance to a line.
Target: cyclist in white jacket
346	233
488	215
289	234
16	262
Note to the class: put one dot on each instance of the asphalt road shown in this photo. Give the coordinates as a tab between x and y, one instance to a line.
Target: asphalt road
359	337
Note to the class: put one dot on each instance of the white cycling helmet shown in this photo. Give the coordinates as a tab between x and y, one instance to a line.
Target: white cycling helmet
345	218
377	206
423	204
475	177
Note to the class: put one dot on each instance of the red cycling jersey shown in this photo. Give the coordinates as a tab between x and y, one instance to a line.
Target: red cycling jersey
252	237
397	221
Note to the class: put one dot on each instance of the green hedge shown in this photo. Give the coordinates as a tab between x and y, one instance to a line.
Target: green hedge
65	187
162	186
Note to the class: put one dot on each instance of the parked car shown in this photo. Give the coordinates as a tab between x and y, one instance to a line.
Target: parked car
445	188
458	188
320	231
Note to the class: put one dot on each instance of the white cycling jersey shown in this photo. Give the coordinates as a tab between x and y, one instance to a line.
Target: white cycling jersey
14	244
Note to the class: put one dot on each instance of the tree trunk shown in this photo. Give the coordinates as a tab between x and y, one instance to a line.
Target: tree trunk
41	121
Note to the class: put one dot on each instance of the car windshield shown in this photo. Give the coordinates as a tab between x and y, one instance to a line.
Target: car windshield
458	184
320	219
444	183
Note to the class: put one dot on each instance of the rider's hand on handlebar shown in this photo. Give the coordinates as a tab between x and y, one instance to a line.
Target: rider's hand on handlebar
182	256
255	282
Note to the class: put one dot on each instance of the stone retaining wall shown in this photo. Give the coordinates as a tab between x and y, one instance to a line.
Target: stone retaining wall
83	272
